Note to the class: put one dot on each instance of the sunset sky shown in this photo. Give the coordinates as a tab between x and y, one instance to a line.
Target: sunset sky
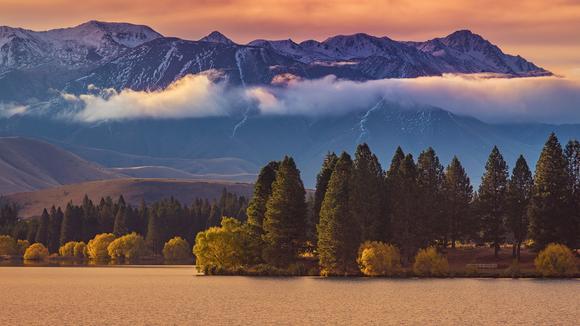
545	32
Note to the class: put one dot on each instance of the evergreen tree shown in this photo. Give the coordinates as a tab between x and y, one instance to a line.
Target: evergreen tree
120	227
390	192
550	216
31	230
89	219
337	241
285	219
430	178
572	155
154	237
71	225
404	199
42	232
457	196
55	221
367	194
520	190
262	192
322	180
492	202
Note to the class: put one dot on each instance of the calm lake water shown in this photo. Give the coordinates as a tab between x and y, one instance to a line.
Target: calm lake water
166	295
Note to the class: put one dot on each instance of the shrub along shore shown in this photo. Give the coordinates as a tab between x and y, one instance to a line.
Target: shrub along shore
417	218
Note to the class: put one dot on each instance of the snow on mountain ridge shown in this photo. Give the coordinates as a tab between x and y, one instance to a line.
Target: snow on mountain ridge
72	47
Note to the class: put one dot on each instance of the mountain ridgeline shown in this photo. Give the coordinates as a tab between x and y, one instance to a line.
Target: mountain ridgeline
122	55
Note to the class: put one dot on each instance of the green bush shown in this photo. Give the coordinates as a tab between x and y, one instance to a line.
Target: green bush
177	249
428	262
130	247
379	259
556	260
36	251
97	247
7	245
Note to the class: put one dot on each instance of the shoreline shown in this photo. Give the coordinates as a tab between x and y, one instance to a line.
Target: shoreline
404	276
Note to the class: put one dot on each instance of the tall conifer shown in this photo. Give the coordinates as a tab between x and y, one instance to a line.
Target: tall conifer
457	197
520	190
338	240
550	218
285	219
492	202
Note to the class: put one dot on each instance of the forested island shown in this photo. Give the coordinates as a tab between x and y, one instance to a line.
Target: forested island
360	220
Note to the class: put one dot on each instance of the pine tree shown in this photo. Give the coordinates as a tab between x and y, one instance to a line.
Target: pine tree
285	219
572	155
89	219
391	183
120	227
55	221
550	218
262	191
492	202
457	196
430	196
404	200
154	237
71	225
519	194
42	232
367	194
322	180
337	241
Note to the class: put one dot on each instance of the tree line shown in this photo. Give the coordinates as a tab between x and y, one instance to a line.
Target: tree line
414	204
157	222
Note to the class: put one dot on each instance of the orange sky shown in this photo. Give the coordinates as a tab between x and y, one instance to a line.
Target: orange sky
546	32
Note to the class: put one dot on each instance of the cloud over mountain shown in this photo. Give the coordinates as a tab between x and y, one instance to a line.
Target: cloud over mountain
542	99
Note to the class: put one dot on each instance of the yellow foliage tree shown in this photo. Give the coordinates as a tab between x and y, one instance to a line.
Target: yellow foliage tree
130	246
379	259
177	249
228	247
556	260
80	250
7	245
21	246
428	262
97	247
67	249
36	251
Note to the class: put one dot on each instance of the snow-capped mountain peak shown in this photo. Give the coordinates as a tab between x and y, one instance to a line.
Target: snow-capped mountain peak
73	47
217	37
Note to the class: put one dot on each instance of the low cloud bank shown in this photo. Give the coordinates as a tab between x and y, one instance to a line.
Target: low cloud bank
541	99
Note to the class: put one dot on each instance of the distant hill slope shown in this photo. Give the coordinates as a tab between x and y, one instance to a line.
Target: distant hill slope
133	190
27	164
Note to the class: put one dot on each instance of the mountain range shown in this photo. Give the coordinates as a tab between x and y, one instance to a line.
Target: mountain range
36	67
121	55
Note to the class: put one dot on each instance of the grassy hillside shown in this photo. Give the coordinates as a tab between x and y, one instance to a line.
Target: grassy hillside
28	164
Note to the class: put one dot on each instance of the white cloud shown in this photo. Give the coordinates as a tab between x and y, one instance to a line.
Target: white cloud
9	109
543	99
192	96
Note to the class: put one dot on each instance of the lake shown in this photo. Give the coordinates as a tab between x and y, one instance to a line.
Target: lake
166	295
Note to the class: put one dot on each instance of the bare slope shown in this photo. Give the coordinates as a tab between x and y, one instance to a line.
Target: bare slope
133	190
27	164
